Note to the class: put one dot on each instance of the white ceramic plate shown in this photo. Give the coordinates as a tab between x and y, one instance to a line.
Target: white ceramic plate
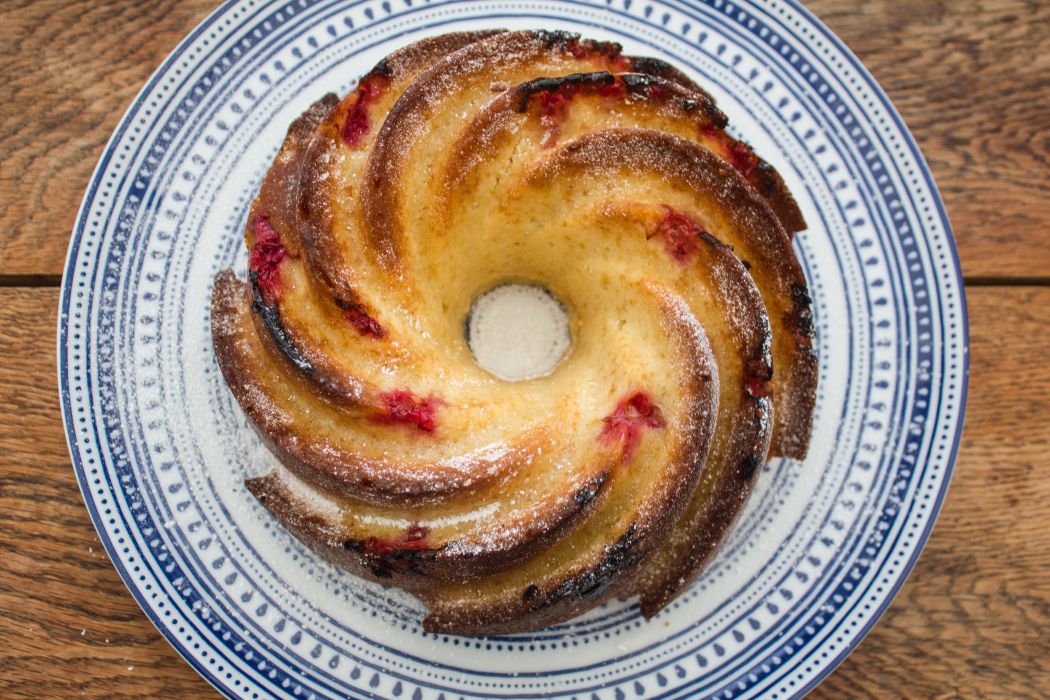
160	448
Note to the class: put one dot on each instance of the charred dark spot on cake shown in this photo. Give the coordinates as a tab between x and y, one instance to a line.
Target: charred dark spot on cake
357	123
631	417
383	68
552	96
405	408
363	322
409	552
601	83
800	296
555	38
608	52
713	114
553	92
641	84
618	558
265	259
748	466
653	88
652	66
765	179
586	493
271	318
380	572
564	84
745	263
800	319
712	241
757	374
647	87
678	232
707	111
530	593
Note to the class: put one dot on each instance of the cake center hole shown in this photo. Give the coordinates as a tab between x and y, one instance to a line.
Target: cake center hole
518	331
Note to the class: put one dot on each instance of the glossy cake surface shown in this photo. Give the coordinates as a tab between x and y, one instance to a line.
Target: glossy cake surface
474	159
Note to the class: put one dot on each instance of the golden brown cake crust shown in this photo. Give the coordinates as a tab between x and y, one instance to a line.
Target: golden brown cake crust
240	358
469	160
749	227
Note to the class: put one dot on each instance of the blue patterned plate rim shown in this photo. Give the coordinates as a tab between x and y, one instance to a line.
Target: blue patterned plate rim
79	233
965	316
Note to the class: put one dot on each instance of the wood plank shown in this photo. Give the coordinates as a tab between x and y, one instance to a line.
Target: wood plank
71	68
971	80
969	77
971	621
69	626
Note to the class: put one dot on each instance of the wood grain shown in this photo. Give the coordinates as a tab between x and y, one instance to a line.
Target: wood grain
971	79
71	68
69	626
973	618
970	622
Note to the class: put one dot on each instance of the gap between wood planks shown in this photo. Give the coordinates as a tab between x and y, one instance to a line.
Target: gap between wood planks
30	280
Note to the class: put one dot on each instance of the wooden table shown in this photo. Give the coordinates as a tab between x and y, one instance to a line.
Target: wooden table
972	80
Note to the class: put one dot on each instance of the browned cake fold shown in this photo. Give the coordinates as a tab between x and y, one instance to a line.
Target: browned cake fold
470	160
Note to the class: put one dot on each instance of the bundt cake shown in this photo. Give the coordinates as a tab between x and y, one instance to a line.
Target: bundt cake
470	160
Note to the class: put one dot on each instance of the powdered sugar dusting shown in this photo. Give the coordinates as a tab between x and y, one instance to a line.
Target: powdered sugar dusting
318	503
428	470
492	455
